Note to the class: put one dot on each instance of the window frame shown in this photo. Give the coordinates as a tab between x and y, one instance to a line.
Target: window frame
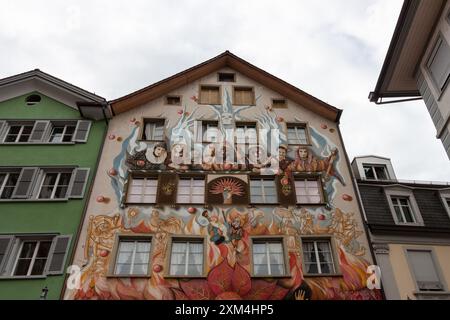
437	268
199	100
203	124
33	258
228	73
246	88
132	237
17	123
315	177
192	177
261	178
7	173
305	125
284	105
42	173
176	96
246	124
153	120
372	167
445	198
186	238
440	39
268	239
132	176
65	124
415	211
334	255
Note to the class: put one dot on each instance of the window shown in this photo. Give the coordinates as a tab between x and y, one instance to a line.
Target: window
308	191
8	182
263	191
62	133
403	210
375	172
33	99
226	77
142	190
153	130
425	271
268	258
54	185
32	258
439	63
186	258
191	190
209	95
318	257
246	133
173	100
208	132
19	132
133	257
279	103
297	135
243	96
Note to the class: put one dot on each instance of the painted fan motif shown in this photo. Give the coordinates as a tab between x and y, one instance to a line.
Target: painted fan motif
228	187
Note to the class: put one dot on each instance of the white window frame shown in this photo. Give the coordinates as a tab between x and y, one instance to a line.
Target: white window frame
22	126
135	239
262	188
203	126
445	197
266	240
142	195
404	193
43	174
372	167
156	123
296	127
333	254
33	259
246	127
187	241
65	125
3	185
319	187
191	188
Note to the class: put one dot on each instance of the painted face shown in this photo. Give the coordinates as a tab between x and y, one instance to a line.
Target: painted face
282	153
236	223
158	151
303	153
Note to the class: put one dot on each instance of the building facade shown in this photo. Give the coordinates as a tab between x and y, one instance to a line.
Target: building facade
418	62
48	159
409	225
189	204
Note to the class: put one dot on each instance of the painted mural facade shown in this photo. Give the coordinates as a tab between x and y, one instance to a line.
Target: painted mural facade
227	221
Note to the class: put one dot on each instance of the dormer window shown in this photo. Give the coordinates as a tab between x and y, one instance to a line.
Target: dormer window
375	172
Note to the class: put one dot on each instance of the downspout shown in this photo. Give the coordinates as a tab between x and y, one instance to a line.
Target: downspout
361	207
88	196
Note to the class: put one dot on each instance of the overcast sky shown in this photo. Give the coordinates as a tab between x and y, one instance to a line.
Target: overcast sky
332	49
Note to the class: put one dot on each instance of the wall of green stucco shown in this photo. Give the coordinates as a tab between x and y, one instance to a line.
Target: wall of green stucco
43	217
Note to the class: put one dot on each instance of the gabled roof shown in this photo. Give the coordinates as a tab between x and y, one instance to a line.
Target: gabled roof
226	59
38	75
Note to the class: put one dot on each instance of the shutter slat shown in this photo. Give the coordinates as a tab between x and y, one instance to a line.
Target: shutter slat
2	128
58	255
79	181
25	183
82	131
39	130
5	245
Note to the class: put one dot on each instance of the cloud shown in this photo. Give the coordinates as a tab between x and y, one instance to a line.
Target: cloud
332	49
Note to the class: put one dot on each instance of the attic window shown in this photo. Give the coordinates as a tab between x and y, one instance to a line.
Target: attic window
279	103
227	77
173	100
33	99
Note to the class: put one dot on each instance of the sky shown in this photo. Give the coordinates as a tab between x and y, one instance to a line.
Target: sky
332	49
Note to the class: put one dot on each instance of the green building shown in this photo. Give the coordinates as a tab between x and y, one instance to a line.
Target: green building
51	135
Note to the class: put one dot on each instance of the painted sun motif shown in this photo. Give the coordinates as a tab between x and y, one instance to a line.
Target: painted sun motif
228	187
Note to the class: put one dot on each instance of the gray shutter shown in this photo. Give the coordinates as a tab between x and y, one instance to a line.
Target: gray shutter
58	255
424	269
440	63
78	184
82	131
25	183
2	127
39	130
5	246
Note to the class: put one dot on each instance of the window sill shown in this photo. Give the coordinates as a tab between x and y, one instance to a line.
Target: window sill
410	224
272	277
152	141
22	277
33	200
428	295
167	276
37	143
331	275
129	276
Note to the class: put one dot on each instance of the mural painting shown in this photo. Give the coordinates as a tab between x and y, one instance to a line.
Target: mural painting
227	221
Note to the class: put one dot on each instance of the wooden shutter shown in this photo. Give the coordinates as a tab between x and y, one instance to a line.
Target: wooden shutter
82	131
167	189
78	183
58	254
25	183
2	128
286	196
39	131
5	246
